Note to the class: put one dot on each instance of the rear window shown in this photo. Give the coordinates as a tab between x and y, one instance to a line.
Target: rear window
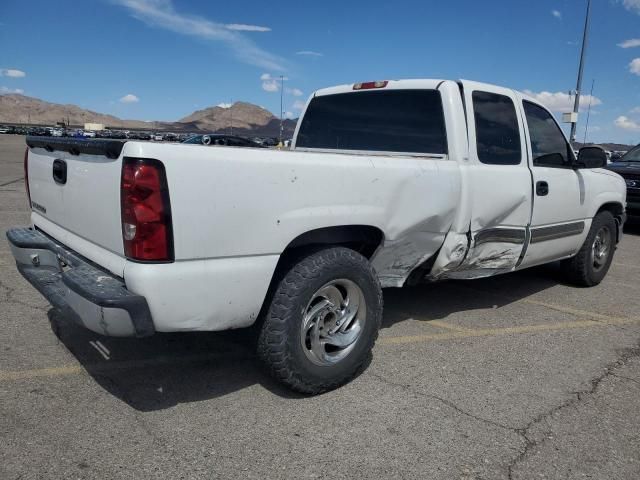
409	121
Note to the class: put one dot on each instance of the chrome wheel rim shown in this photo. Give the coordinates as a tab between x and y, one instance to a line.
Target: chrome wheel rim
600	248
333	322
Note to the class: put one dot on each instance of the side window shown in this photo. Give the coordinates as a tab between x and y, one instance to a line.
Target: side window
497	131
548	146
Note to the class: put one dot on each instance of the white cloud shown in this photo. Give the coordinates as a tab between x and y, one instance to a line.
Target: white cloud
224	105
298	105
627	124
632	5
634	66
632	42
556	13
129	98
635	110
271	83
162	14
6	90
309	53
241	27
296	92
561	101
288	114
270	86
12	72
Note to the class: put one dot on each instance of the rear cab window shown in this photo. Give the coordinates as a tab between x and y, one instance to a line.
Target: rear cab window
497	130
393	121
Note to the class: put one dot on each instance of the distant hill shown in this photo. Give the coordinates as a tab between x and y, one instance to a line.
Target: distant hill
16	108
242	118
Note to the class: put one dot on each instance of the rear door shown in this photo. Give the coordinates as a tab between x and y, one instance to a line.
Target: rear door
559	209
498	179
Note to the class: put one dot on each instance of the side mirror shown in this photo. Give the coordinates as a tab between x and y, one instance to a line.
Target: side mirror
591	157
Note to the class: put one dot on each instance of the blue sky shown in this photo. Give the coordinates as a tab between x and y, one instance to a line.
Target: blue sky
162	59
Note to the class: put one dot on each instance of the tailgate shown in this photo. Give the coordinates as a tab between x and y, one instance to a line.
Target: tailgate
75	183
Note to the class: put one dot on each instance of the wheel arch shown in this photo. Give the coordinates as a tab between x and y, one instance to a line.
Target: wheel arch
617	210
364	239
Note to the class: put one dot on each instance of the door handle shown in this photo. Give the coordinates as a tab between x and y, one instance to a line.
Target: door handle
60	171
542	188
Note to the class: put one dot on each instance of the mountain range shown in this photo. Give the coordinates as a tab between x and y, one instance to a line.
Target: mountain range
241	117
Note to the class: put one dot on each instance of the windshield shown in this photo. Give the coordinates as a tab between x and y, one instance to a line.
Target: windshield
632	155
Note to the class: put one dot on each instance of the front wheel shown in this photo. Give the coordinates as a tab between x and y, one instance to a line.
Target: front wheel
593	260
323	320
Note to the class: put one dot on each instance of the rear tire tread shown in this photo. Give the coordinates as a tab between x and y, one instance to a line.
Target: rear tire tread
273	338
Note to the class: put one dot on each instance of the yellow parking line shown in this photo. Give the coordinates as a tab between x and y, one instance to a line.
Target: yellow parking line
446	326
494	332
618	264
41	372
452	334
112	366
560	308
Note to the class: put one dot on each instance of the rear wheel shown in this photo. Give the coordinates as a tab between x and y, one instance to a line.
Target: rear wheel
322	322
593	260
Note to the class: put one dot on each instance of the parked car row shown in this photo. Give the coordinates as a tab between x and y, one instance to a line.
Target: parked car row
140	135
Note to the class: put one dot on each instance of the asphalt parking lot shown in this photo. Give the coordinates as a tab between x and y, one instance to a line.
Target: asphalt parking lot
519	376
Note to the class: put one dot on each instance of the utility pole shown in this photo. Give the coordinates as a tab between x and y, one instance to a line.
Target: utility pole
576	105
231	113
281	105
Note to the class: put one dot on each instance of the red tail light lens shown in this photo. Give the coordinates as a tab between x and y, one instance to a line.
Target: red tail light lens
146	213
370	85
26	175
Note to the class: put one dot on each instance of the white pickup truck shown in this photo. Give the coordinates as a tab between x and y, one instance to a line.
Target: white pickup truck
387	183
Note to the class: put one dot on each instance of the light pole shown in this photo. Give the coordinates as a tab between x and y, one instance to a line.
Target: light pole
576	105
586	127
281	108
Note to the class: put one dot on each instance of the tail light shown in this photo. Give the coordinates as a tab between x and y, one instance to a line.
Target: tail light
26	174
146	213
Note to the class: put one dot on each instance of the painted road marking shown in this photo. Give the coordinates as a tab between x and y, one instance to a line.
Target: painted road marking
446	326
576	312
69	370
618	264
494	332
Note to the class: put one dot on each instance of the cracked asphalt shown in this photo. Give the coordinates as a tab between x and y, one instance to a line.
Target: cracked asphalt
514	377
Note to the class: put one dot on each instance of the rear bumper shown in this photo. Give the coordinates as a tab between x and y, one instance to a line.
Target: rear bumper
91	296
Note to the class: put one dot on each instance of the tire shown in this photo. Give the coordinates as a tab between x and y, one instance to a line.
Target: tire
304	312
592	263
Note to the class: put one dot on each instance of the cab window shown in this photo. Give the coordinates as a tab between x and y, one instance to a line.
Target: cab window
548	146
497	131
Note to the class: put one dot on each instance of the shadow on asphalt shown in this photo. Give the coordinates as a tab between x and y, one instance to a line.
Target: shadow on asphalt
164	370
